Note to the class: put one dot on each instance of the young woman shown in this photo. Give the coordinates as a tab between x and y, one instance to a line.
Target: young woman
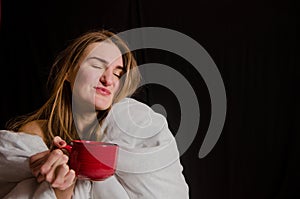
92	80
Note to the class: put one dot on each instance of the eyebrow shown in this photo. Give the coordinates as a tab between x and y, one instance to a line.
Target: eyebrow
99	59
105	62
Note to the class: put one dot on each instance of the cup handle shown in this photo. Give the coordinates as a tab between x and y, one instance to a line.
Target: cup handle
67	149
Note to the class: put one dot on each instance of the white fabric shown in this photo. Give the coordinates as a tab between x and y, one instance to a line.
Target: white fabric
148	160
16	180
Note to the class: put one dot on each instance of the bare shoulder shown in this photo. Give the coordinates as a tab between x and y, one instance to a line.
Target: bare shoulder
34	128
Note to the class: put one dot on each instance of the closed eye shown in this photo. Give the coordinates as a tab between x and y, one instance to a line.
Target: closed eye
119	72
118	76
97	66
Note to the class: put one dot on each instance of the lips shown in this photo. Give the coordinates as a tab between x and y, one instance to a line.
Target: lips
102	91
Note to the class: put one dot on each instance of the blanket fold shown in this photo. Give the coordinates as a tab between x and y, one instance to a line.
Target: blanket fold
16	180
148	162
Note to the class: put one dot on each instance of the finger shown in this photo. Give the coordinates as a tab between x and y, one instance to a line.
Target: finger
52	173
70	179
36	172
36	165
53	158
40	178
58	142
60	173
37	156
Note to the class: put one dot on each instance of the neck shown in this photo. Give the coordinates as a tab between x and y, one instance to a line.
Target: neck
85	123
86	120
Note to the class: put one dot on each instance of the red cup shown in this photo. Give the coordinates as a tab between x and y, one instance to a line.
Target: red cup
92	160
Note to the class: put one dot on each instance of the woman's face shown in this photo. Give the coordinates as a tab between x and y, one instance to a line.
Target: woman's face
98	77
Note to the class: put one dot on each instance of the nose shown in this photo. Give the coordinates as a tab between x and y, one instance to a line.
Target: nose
107	77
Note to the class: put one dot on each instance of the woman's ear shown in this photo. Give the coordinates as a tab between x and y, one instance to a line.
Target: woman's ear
69	77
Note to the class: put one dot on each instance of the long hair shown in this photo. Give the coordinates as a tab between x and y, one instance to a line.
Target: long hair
57	111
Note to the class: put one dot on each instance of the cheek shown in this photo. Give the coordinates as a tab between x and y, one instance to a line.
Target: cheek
85	77
117	86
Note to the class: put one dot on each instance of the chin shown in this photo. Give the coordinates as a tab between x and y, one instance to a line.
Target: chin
102	107
102	104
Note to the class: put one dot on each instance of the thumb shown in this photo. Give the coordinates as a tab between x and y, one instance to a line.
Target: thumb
58	142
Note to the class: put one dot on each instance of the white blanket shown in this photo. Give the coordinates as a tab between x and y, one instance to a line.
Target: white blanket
148	161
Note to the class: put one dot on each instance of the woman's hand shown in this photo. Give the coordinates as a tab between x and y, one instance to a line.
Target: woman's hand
52	166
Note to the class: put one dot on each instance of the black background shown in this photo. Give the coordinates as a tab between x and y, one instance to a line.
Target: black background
253	43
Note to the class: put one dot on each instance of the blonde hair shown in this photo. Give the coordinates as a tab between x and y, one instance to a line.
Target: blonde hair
57	111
